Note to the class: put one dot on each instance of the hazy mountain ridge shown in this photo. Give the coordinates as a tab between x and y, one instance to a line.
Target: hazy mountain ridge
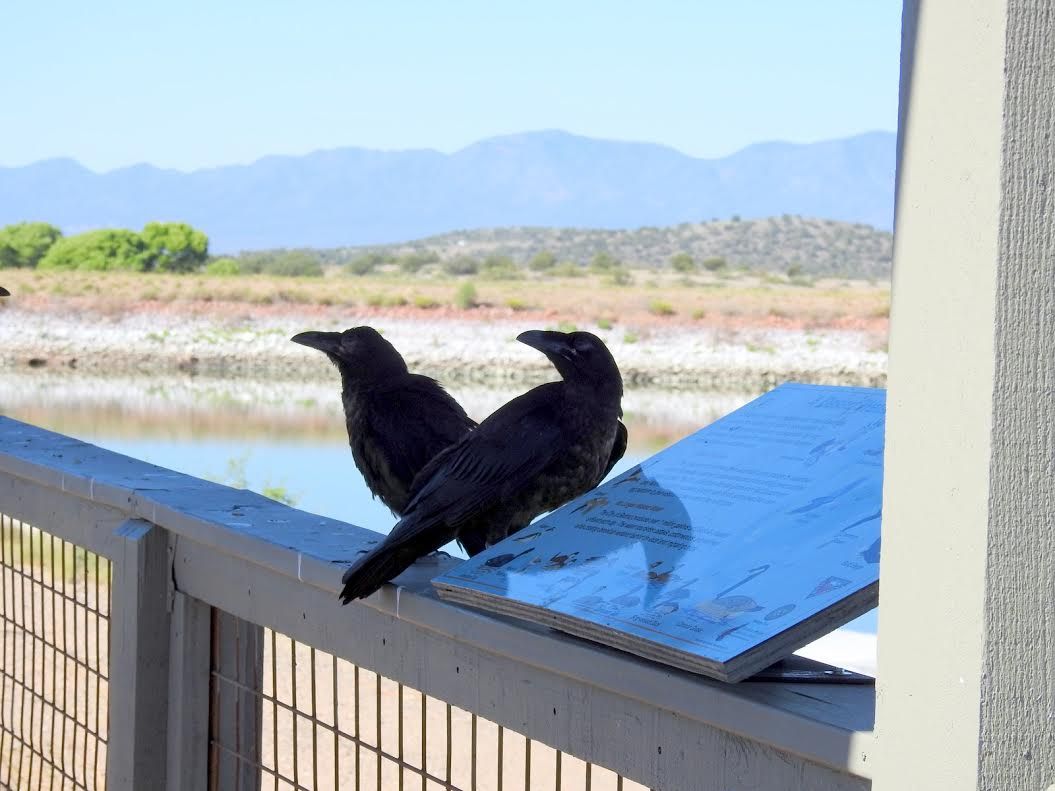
354	196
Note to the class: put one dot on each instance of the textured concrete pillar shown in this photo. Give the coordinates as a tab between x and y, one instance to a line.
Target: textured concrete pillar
966	695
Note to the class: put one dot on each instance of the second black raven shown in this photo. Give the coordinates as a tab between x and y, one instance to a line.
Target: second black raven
397	421
532	455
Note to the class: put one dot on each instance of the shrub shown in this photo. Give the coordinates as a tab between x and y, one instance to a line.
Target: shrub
363	264
542	261
602	262
568	269
660	308
223	267
284	263
516	304
714	263
425	303
465	296
413	262
499	267
462	265
619	276
683	262
604	323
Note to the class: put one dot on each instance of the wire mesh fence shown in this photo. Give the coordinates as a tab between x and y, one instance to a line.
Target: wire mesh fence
54	661
328	725
282	714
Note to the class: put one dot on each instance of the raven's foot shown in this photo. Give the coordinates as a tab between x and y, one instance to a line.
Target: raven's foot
433	557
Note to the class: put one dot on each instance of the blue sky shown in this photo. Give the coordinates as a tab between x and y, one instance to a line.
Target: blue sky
195	84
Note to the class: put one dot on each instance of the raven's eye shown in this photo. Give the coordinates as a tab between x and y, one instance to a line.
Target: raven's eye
581	344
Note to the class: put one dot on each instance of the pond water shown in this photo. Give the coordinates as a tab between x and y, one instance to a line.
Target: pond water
287	437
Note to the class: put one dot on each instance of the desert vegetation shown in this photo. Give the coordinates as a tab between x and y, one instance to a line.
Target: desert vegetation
672	275
796	246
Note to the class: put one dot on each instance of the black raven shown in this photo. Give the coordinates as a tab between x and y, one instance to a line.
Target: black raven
397	421
532	455
4	292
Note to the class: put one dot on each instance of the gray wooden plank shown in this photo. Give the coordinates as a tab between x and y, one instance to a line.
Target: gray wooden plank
188	693
238	659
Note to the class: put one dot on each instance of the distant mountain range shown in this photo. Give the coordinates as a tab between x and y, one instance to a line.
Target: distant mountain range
355	196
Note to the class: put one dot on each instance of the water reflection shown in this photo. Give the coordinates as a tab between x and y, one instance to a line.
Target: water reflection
286	436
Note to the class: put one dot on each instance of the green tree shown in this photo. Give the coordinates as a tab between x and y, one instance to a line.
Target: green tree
105	249
714	263
175	246
683	262
25	243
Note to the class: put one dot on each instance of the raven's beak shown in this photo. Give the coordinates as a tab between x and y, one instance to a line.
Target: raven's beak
546	341
328	342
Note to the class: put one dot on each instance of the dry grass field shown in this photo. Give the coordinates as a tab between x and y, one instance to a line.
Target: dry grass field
732	299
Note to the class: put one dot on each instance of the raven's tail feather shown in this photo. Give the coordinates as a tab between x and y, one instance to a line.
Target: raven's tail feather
373	571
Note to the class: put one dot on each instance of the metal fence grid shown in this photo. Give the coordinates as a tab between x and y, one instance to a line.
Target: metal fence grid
329	725
54	661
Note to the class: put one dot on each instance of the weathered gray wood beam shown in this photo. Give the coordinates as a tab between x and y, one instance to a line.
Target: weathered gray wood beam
188	692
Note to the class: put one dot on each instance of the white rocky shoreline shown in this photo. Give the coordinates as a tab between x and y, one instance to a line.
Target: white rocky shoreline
455	350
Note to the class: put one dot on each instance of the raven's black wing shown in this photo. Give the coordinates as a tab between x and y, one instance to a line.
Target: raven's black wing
414	419
495	462
618	449
489	465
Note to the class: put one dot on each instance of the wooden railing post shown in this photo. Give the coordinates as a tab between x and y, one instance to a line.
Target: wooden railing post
139	658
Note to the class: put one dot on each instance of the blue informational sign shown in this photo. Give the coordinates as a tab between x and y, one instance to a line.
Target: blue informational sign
723	546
